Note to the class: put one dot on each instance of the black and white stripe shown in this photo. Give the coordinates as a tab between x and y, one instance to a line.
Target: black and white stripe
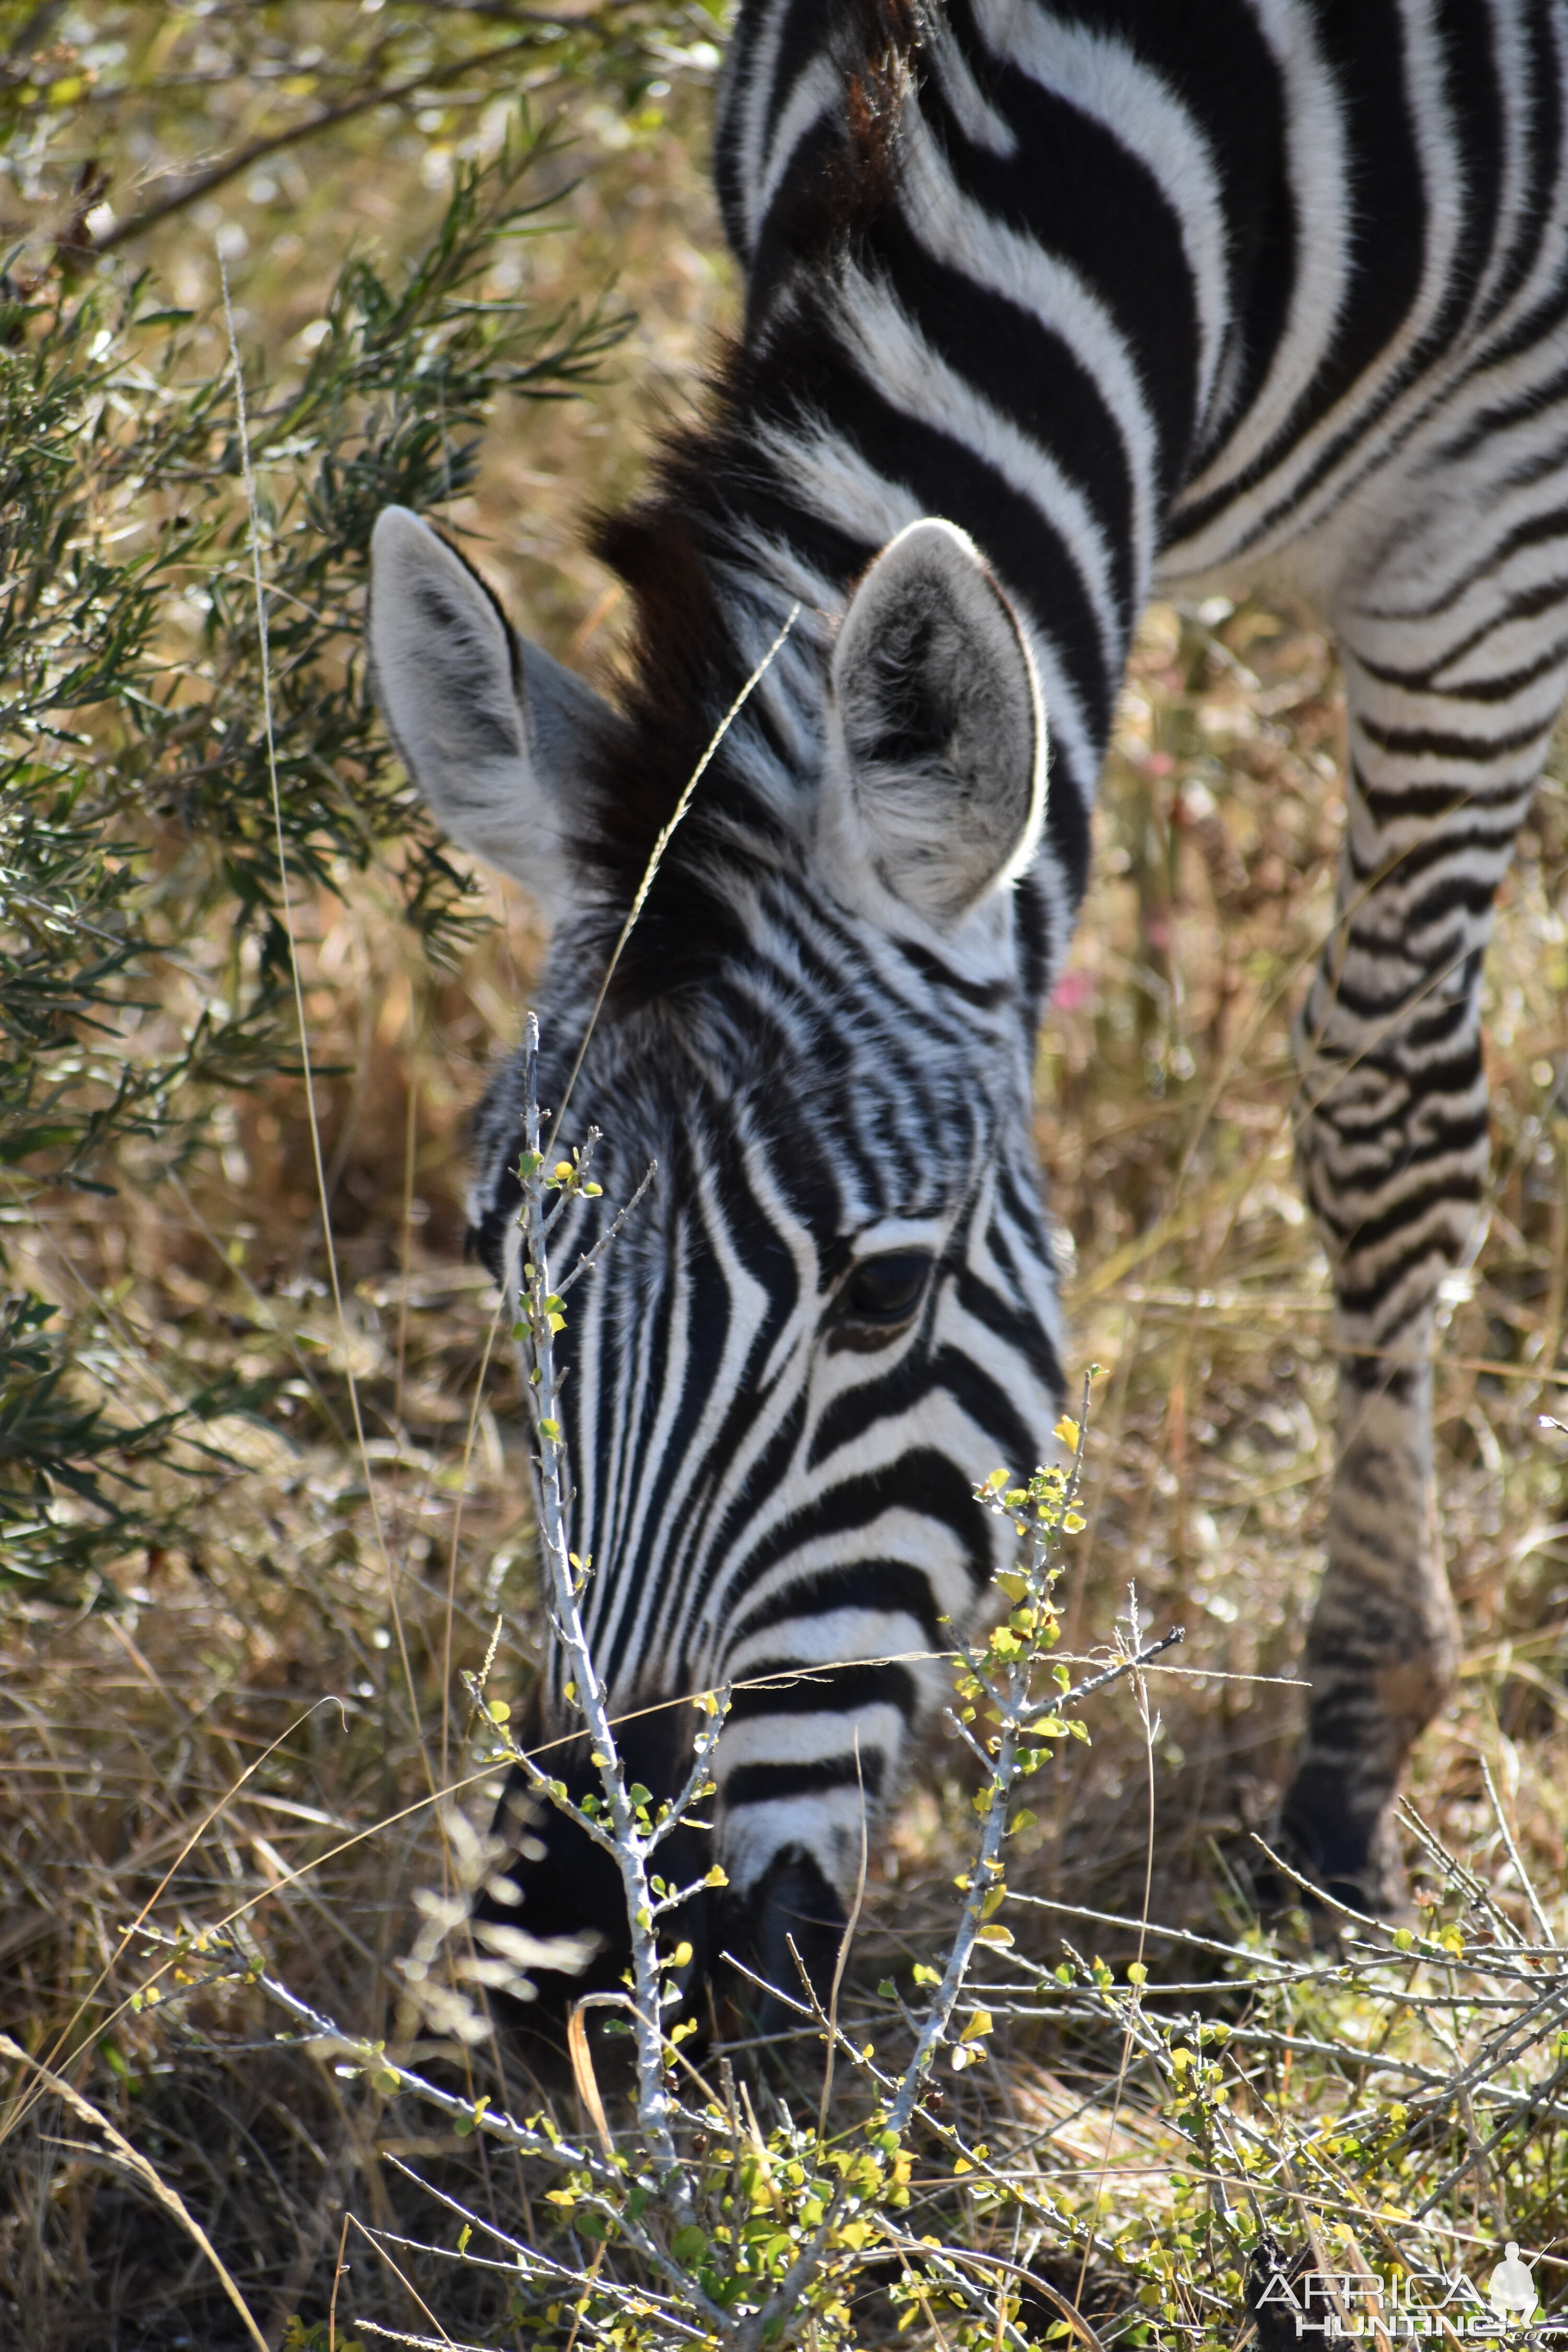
1131	292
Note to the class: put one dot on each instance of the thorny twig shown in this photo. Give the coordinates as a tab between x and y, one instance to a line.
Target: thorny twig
999	1680
629	1835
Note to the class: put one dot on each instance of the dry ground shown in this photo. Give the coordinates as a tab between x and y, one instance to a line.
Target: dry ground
261	1732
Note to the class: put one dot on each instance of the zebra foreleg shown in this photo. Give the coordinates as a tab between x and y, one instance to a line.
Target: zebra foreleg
1392	1144
1391	1138
1383	1645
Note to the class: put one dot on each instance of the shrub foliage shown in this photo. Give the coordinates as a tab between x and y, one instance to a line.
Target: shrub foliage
136	800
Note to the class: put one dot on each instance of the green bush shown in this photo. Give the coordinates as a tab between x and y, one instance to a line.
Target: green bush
136	810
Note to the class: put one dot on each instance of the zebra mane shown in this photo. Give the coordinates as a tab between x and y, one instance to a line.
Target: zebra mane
713	554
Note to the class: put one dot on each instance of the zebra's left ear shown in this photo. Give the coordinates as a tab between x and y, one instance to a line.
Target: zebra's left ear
938	784
497	737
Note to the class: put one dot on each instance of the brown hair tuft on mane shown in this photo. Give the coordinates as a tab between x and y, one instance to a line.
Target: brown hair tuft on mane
708	478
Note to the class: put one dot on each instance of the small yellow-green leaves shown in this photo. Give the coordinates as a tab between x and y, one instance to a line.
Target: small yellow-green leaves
550	1429
1067	1432
717	1877
498	1710
681	1956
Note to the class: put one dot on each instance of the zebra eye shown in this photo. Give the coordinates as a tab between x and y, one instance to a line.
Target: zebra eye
885	1292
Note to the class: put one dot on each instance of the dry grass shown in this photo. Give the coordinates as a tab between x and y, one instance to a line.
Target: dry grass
259	1736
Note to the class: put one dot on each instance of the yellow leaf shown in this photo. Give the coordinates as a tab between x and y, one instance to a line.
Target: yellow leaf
1066	1431
717	1877
993	1934
498	1710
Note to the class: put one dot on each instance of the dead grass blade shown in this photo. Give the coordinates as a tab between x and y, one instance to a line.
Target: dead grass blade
133	2160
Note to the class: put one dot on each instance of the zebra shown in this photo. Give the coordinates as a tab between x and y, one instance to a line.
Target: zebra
1047	307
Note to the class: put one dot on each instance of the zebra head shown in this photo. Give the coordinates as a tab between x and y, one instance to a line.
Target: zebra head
835	1309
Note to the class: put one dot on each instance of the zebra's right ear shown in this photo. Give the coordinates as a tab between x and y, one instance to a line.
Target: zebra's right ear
937	790
496	736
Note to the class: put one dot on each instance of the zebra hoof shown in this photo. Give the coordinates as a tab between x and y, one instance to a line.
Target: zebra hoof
789	1921
1349	1853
